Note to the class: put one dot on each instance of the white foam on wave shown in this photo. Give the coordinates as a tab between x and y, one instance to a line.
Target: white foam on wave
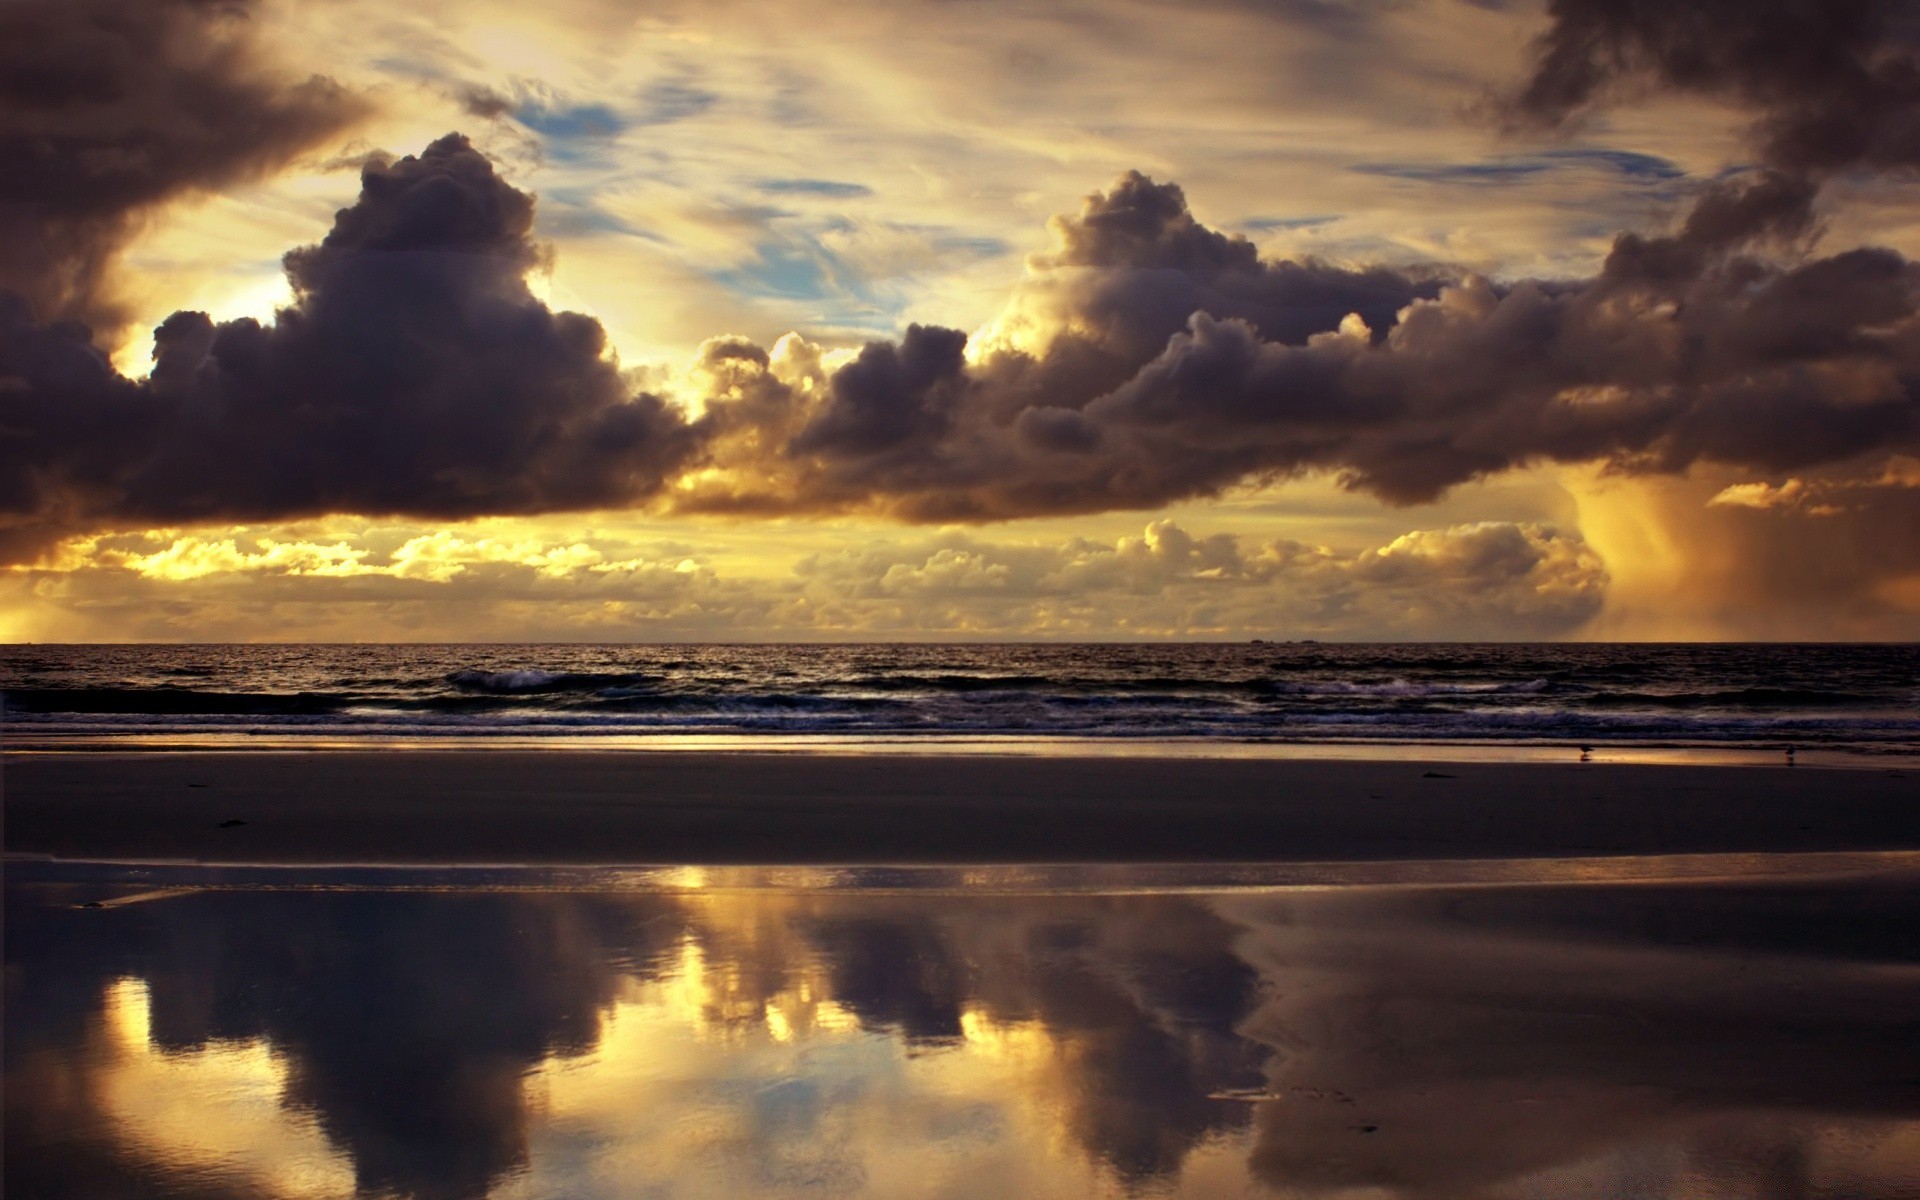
505	681
1407	689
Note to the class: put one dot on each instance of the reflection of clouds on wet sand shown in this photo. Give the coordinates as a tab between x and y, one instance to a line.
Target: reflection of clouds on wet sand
1587	1042
398	1024
908	1045
212	1109
1743	1041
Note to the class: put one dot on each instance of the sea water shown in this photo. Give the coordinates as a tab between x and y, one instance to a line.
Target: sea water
1853	697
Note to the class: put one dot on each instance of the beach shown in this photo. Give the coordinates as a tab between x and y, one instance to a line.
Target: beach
552	807
1057	922
516	973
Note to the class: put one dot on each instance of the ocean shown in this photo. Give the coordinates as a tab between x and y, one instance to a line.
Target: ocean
1854	698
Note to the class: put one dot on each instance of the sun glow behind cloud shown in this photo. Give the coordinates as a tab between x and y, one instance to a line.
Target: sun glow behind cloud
721	176
1488	578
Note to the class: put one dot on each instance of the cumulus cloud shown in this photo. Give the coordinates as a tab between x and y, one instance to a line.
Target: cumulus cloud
1146	359
435	557
1494	580
1143	359
1149	359
197	558
1794	495
414	373
110	110
1171	362
1487	580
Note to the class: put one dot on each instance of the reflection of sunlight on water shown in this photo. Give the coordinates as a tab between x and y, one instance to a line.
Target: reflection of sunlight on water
215	1109
1499	1039
690	879
698	1086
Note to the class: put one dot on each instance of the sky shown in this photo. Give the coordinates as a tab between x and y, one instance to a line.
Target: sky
599	320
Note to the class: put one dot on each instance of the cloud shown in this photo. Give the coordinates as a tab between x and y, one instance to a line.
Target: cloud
436	557
1144	358
1826	555
1795	495
197	558
109	111
1483	580
1493	580
414	373
1833	87
1834	84
1149	359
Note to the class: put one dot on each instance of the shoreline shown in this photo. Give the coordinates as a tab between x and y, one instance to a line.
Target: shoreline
539	808
1843	757
159	879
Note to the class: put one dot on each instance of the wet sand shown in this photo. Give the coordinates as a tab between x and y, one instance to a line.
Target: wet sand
587	807
1746	1040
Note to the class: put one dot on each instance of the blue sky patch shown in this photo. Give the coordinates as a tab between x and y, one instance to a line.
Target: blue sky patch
782	270
1642	168
814	187
590	121
1468	173
1626	162
1271	224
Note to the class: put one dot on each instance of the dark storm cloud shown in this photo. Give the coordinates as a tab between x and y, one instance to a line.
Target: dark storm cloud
1834	83
1144	359
1134	264
109	110
414	373
1187	365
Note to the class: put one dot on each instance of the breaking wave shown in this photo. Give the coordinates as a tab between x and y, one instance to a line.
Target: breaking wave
1867	697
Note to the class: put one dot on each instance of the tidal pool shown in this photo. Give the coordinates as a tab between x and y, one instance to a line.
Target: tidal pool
1607	1029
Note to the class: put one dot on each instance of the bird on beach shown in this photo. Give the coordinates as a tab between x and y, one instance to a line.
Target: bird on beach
1586	754
1789	755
